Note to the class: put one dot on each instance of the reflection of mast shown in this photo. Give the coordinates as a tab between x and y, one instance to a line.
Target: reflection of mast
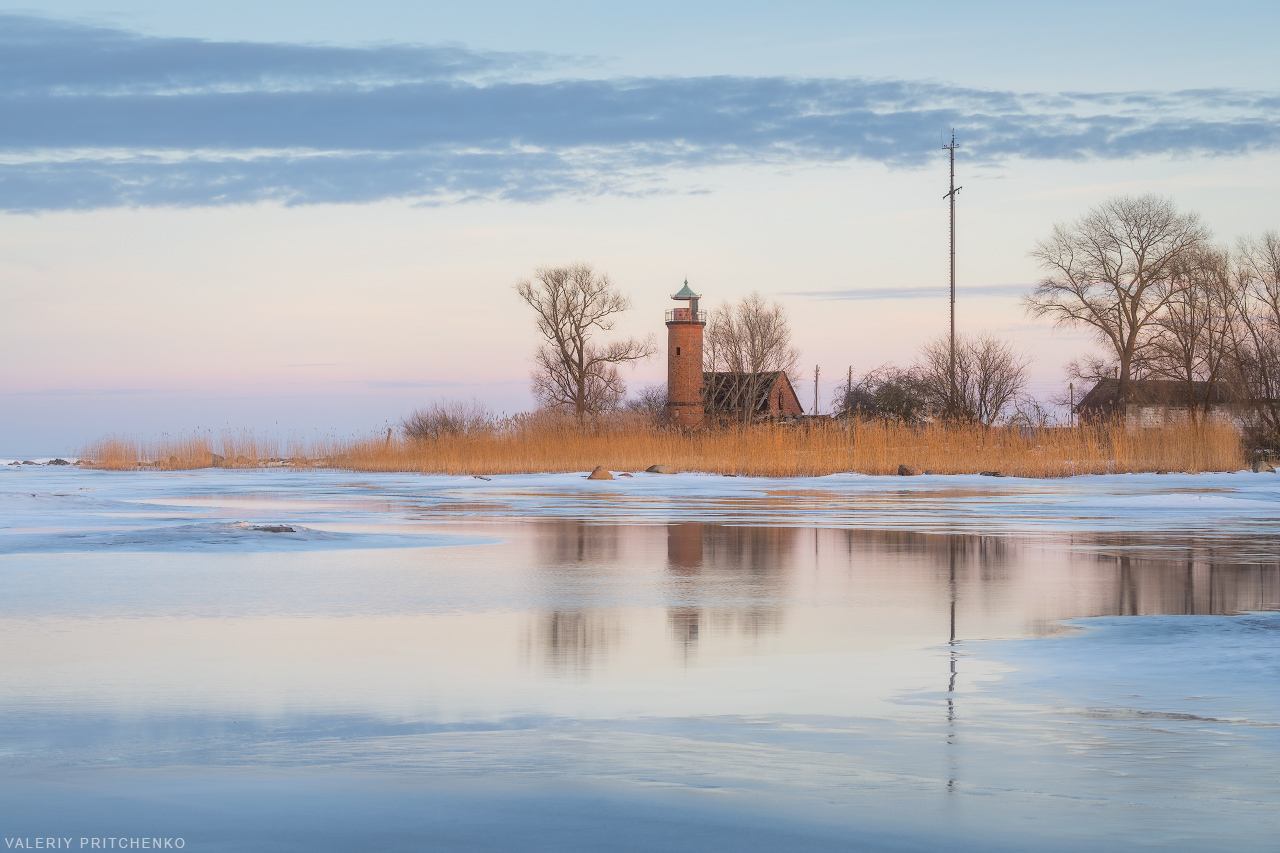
1126	592
951	685
1189	588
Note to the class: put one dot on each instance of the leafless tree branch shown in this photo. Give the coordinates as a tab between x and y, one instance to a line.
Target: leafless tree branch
751	338
1115	269
572	371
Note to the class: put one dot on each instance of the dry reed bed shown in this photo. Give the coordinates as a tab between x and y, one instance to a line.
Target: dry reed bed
814	449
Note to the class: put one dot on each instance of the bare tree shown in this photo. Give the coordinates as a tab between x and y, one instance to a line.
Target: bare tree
1192	340
1030	412
990	375
1257	354
1113	271
1093	368
571	371
750	339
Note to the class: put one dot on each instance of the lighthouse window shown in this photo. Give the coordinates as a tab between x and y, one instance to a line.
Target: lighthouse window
677	350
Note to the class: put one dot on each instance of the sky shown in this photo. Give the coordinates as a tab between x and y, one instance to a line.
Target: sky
308	218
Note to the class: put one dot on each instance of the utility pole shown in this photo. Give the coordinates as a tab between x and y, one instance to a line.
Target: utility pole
951	150
815	389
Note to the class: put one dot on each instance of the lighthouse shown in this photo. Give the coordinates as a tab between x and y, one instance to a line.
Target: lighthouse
685	407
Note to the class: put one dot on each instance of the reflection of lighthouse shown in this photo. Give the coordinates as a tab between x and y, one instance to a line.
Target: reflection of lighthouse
684	361
684	547
684	560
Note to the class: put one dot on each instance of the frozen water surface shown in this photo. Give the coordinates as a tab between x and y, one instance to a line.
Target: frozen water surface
316	661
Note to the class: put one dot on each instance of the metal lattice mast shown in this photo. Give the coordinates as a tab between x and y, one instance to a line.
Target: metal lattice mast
951	150
815	389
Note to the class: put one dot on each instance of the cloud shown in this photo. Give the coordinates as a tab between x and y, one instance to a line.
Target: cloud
391	383
869	293
435	383
93	392
94	117
43	56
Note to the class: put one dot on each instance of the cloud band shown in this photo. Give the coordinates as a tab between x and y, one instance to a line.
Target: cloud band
93	117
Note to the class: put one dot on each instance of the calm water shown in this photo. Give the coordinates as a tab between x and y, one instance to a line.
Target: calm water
558	676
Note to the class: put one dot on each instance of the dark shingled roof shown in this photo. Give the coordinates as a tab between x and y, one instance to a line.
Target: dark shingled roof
1150	392
729	390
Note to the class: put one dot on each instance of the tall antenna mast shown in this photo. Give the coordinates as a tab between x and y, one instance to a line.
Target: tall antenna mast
951	150
815	389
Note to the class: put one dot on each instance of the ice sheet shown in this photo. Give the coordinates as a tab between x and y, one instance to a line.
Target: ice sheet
217	536
1224	505
677	662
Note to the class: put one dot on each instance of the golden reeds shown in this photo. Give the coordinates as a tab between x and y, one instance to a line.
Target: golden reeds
523	445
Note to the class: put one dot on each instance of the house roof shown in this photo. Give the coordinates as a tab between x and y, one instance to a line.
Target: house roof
727	391
1150	392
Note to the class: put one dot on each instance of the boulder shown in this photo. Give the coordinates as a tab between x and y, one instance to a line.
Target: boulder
1162	471
219	461
601	473
58	462
1262	466
624	475
660	469
991	474
908	471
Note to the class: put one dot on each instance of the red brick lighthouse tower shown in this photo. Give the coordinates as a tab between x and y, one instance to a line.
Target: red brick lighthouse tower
684	361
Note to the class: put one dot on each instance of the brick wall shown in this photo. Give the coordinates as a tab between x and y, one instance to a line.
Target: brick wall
684	374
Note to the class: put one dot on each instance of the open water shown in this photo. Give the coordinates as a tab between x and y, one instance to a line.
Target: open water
280	661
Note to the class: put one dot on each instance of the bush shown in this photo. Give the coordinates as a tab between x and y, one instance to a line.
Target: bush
441	418
650	403
886	392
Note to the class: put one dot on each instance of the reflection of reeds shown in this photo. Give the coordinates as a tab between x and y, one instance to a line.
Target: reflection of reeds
527	444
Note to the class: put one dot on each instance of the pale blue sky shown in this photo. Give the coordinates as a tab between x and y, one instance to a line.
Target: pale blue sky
1016	45
202	197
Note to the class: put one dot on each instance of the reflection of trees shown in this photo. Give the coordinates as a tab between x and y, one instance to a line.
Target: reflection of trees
562	543
1101	574
1207	578
743	569
573	642
953	569
685	623
572	557
738	581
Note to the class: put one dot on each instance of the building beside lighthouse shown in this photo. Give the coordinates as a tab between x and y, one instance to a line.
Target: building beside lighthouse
696	397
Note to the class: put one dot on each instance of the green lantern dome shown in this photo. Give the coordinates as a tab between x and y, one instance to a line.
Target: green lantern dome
686	292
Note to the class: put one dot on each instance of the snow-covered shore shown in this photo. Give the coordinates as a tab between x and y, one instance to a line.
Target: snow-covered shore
1232	504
